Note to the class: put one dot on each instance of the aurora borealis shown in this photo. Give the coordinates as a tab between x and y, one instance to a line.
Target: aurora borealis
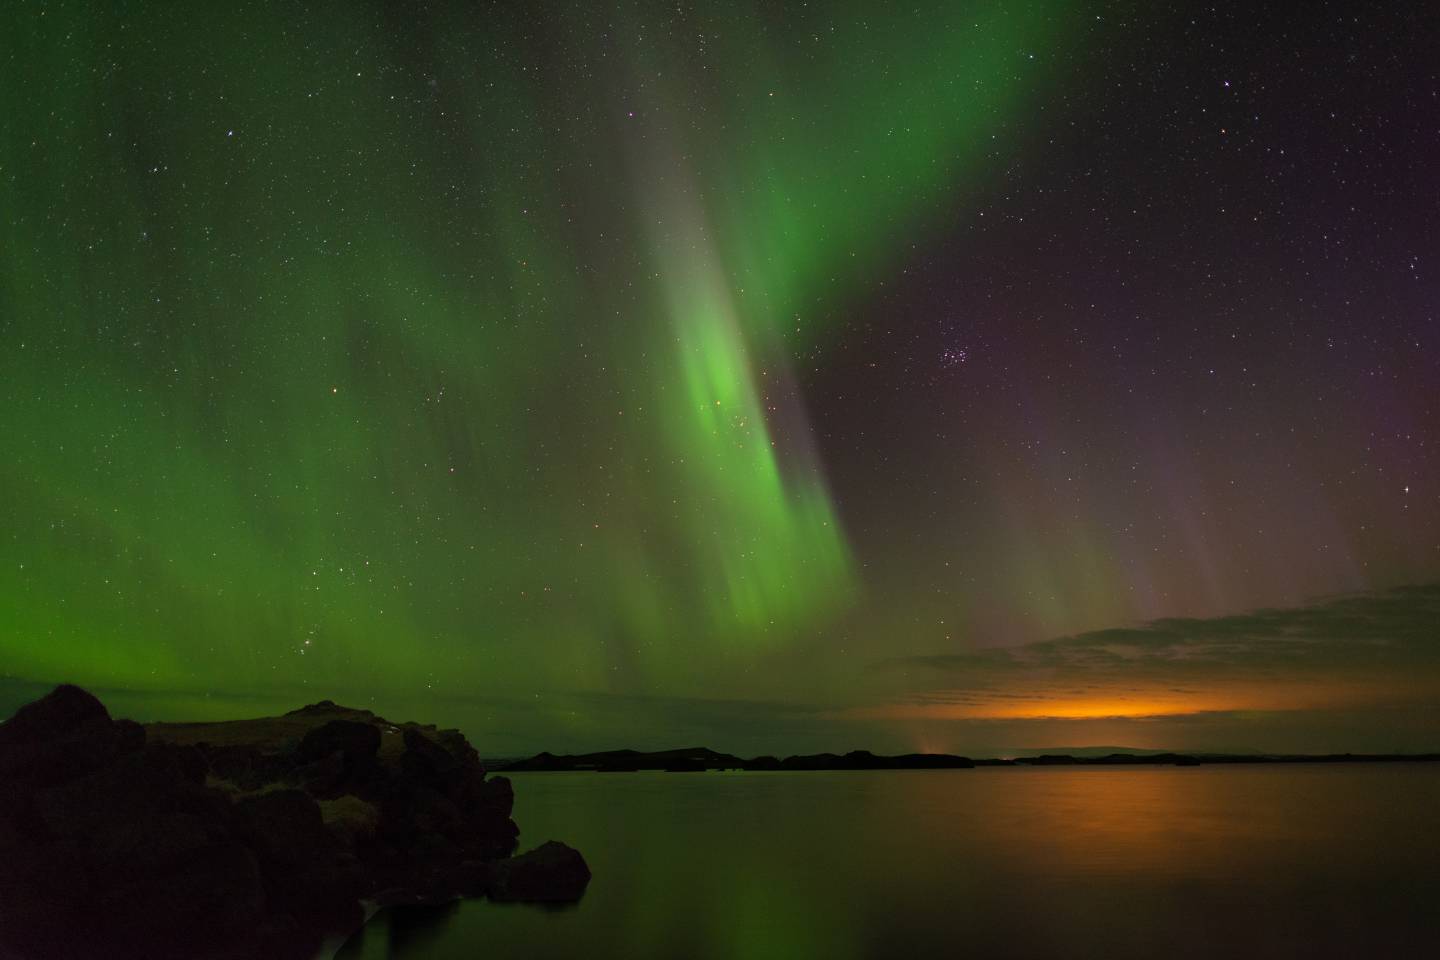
782	376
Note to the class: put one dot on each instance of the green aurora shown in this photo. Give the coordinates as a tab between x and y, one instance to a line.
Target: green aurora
777	376
381	361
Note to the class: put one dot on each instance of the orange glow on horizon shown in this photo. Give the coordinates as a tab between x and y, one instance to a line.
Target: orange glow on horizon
1045	708
1139	704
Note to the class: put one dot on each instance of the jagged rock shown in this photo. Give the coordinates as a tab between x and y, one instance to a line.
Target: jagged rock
325	777
306	866
285	827
140	813
210	900
458	747
494	795
426	762
339	757
352	819
351	738
551	873
244	768
134	853
222	841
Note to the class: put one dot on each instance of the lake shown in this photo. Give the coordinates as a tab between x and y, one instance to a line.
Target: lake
1214	861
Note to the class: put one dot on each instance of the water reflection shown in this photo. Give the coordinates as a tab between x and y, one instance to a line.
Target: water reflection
1237	861
401	932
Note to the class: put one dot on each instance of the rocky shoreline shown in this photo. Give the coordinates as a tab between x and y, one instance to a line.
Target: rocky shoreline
252	838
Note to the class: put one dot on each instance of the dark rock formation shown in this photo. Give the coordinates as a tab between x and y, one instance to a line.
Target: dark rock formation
58	738
353	740
552	872
243	839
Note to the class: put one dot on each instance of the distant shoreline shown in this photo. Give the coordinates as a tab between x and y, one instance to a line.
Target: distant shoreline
700	759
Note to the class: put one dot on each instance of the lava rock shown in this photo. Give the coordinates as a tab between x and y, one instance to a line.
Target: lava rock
355	740
494	796
551	873
64	735
222	841
426	762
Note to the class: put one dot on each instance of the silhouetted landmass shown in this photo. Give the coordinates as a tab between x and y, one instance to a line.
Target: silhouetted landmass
1196	759
696	759
254	838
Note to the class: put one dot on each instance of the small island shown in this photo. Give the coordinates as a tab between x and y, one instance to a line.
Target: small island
272	837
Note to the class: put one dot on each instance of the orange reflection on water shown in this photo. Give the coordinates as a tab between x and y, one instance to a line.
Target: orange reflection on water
1071	823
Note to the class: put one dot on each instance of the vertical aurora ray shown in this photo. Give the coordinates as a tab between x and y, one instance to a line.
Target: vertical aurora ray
764	528
824	182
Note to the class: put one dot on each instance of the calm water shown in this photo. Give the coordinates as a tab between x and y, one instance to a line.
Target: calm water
1256	861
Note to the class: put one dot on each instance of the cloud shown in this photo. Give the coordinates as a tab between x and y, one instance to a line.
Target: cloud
1366	649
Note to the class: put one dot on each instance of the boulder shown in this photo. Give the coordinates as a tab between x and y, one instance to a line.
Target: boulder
551	873
493	796
426	762
309	871
64	735
327	777
284	827
65	712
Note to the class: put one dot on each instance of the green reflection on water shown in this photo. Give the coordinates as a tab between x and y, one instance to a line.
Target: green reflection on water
1270	860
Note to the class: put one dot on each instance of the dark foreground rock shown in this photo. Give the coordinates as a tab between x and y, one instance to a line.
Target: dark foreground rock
246	839
551	873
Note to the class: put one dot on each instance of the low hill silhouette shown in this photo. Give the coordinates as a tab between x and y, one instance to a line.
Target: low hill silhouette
697	759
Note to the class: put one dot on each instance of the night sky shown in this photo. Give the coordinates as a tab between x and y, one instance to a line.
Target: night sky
949	376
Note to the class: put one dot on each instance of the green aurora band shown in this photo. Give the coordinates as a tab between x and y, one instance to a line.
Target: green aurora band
401	361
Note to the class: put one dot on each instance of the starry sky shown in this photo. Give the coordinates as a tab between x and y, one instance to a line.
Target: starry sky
779	376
